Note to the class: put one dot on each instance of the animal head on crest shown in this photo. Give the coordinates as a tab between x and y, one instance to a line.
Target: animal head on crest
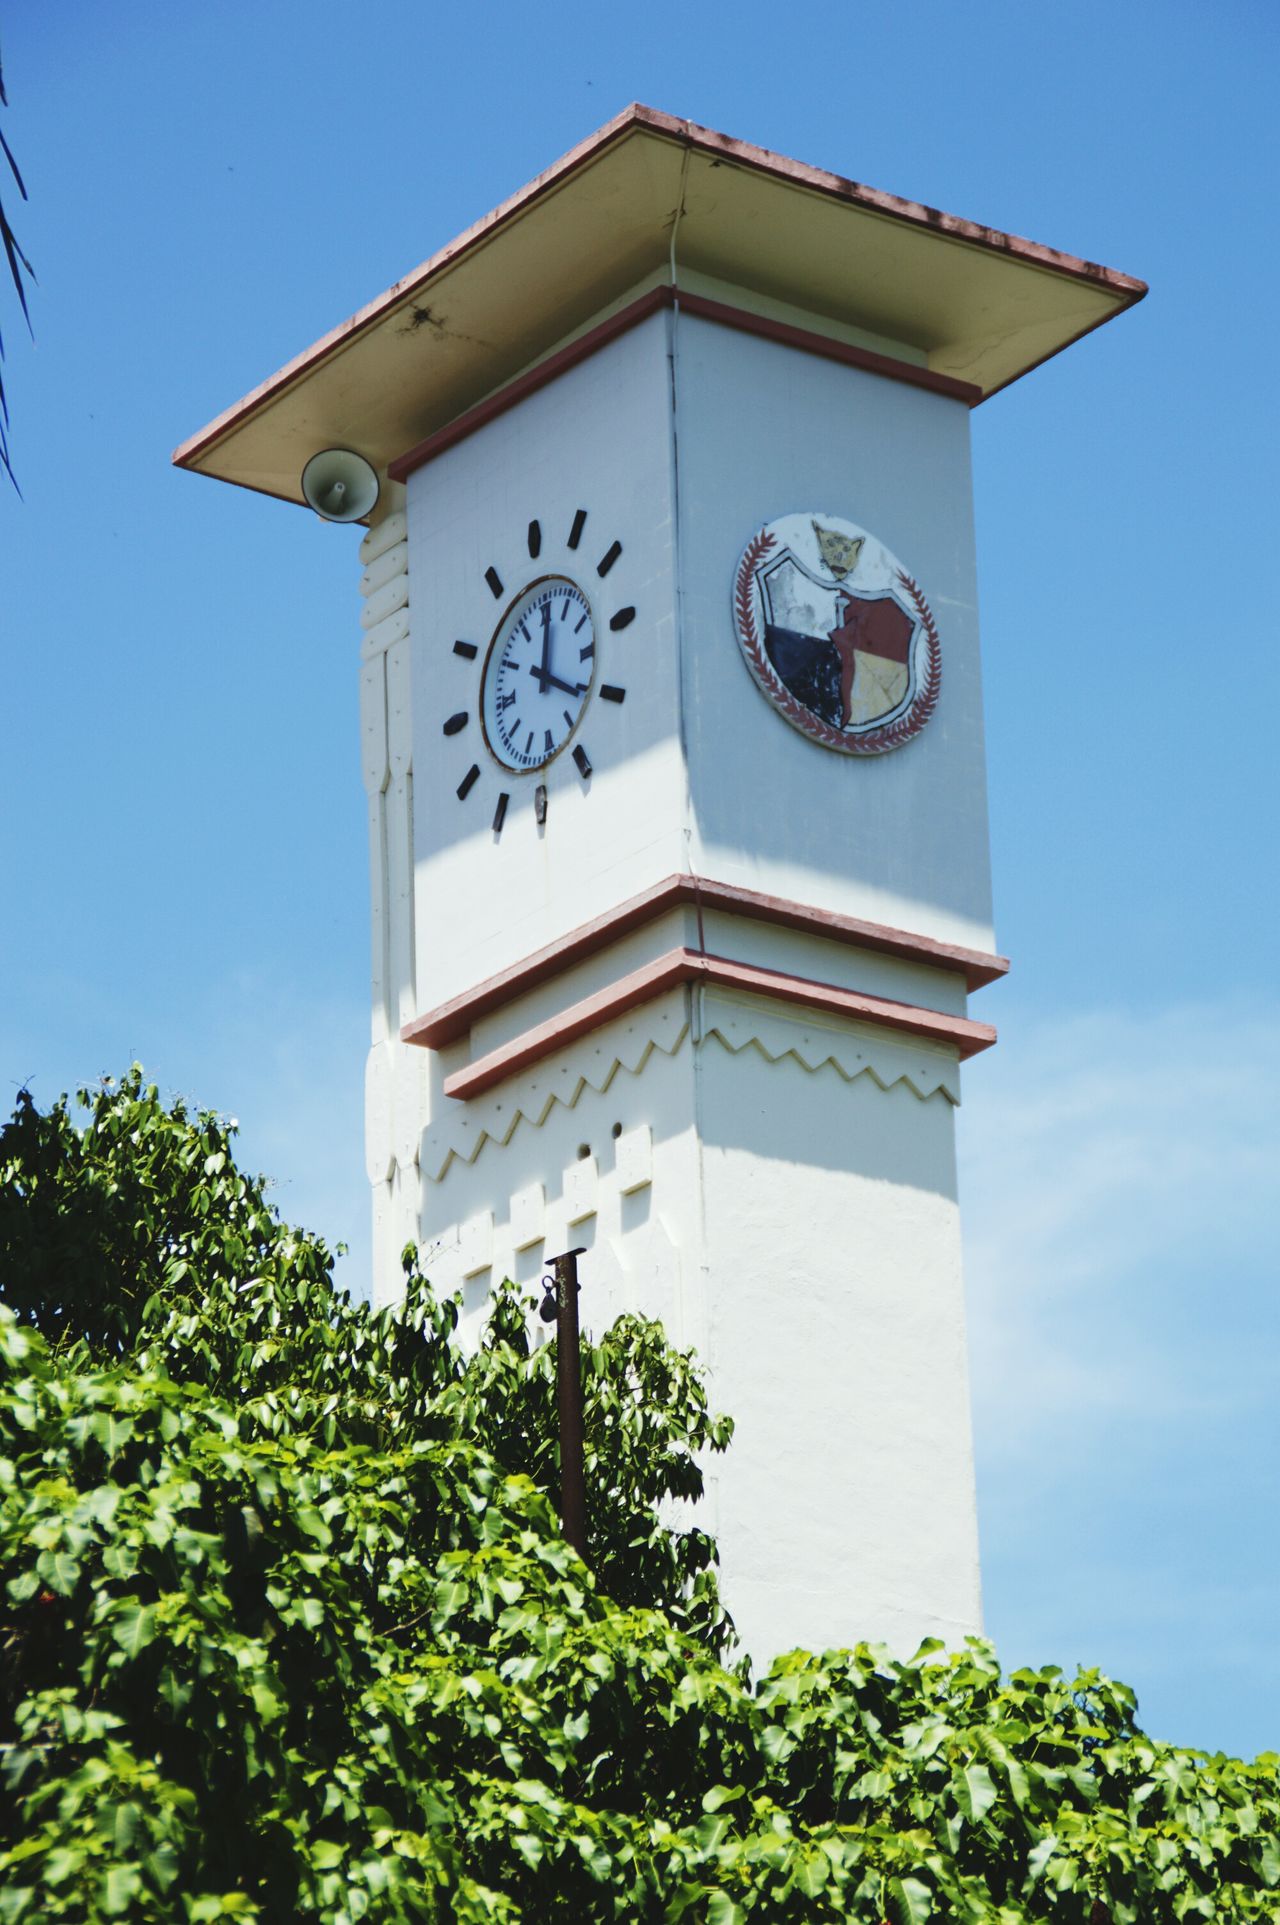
839	552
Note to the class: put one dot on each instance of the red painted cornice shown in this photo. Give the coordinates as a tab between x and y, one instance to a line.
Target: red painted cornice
691	966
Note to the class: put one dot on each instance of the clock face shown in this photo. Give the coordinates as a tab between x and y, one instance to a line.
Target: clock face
538	674
537	681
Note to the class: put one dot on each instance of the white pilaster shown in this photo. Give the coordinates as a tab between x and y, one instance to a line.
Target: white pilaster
395	1080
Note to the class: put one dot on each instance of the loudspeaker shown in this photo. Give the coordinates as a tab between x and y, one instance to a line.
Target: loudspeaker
340	485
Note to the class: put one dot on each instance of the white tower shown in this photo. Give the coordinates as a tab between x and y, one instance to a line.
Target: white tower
673	748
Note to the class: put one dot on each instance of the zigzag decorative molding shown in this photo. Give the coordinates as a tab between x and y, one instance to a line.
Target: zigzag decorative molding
625	1045
663	1025
852	1053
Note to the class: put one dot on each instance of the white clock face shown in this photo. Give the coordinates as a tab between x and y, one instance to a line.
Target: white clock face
538	675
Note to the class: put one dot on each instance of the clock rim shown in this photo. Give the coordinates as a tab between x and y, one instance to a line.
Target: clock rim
555	575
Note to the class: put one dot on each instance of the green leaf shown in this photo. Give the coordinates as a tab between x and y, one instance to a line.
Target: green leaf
313	1524
908	1901
1269	1862
710	1832
112	1432
60	1572
120	1824
117	1888
811	1873
1038	1857
63	1863
133	1628
974	1791
776	1743
722	1795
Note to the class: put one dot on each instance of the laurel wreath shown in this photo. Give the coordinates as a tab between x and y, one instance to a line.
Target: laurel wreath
875	741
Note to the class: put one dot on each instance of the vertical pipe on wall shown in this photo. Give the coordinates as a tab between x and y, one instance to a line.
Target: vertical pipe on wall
393	1110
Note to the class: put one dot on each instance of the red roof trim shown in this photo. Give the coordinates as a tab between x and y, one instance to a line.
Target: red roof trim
689	965
747	322
451	1020
528	383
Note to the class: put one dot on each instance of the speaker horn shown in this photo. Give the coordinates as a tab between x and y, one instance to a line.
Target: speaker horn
340	485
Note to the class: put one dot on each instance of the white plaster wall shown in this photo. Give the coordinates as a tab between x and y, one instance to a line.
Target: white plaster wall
791	1214
631	1201
598	438
696	770
766	430
836	1337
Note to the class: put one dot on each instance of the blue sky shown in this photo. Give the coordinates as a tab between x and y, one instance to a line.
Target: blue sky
183	831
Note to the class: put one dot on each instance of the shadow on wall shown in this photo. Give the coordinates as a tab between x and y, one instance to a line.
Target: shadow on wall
795	1117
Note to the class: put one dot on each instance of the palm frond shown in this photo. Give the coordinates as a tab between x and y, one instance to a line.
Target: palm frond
19	266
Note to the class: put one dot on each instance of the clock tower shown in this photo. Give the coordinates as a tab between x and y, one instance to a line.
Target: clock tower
673	754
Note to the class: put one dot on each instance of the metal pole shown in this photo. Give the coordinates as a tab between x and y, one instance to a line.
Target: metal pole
573	1506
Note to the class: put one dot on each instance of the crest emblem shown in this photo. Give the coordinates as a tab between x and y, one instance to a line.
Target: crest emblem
837	634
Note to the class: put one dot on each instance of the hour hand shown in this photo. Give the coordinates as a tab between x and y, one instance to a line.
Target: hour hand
547	680
543	669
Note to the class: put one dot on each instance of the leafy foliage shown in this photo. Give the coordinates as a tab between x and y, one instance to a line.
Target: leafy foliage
288	1631
137	1237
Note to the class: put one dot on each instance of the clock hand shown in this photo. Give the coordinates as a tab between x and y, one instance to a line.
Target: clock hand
548	680
543	670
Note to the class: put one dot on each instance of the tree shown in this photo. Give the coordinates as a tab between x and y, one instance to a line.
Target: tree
289	1631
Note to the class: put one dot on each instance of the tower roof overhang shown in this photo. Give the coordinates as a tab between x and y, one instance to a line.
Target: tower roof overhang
646	195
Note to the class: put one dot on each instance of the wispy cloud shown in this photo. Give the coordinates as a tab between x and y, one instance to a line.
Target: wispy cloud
1119	1186
1119	1183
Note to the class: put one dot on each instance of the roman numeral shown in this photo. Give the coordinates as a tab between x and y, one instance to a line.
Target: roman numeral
577	625
507	701
548	744
585	654
568	718
564	612
528	747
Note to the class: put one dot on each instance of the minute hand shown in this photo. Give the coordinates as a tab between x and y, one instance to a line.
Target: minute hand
546	679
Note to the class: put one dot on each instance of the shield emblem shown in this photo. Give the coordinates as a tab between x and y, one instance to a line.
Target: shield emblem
836	633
